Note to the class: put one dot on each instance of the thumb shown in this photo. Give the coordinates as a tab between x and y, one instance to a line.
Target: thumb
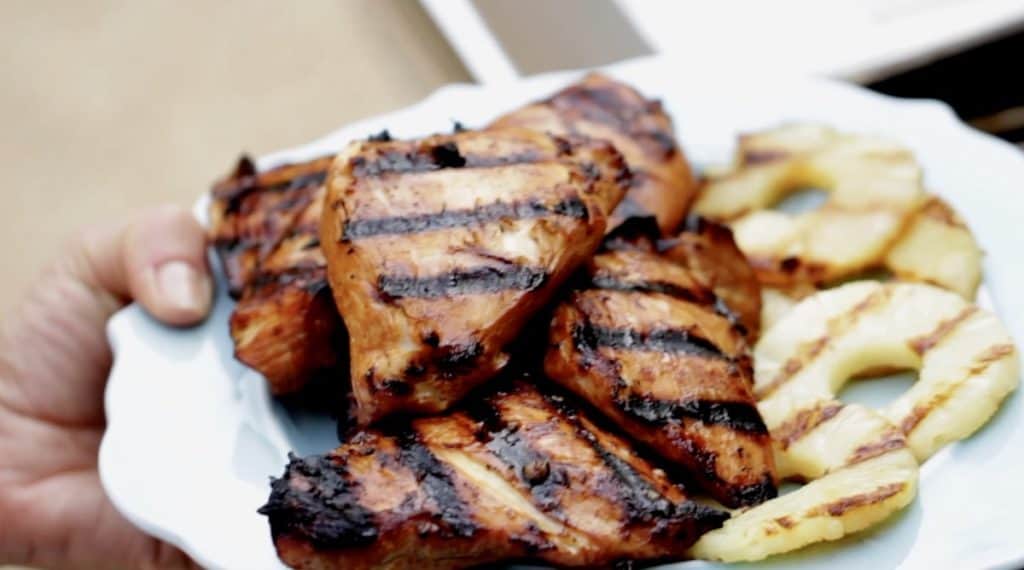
158	259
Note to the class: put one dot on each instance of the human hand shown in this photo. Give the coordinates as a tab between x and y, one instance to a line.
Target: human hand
54	362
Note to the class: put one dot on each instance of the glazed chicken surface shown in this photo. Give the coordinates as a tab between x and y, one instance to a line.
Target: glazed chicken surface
710	253
603	108
440	250
647	342
518	474
250	213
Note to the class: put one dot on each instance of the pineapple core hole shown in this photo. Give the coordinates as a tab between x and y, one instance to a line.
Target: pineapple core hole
877	388
801	200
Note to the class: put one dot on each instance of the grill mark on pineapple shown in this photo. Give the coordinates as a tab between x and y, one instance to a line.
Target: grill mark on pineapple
926	342
985	359
785	521
572	207
836	327
804	422
842	506
479	280
892	439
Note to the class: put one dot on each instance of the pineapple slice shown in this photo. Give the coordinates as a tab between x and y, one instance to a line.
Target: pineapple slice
874	184
938	248
966	360
844	502
862	463
774	305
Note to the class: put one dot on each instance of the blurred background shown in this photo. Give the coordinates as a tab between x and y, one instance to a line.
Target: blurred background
108	105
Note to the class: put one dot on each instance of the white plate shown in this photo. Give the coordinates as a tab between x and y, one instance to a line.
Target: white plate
193	435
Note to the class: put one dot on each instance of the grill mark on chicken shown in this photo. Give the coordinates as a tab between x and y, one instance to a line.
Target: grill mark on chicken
462	282
395	225
739	416
324	509
441	156
644	504
604	104
533	468
589	336
603	108
610	282
233	193
728	492
436	480
640	356
742	416
428	276
251	213
338	514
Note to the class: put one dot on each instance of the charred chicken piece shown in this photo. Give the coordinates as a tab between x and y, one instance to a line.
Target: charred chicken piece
642	342
286	325
516	475
440	250
266	231
708	250
250	212
603	108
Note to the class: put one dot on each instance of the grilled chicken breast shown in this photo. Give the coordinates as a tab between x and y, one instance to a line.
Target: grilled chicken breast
286	326
266	230
250	212
641	341
515	475
440	250
603	108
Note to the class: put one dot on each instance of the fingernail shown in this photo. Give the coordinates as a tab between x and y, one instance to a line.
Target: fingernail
183	287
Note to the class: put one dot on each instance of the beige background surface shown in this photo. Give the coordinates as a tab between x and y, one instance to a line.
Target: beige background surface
108	106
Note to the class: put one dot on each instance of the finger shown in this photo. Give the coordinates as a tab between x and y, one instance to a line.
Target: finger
159	260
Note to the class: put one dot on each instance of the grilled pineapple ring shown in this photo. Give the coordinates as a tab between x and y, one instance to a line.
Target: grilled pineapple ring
863	464
859	466
874	187
936	247
966	360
